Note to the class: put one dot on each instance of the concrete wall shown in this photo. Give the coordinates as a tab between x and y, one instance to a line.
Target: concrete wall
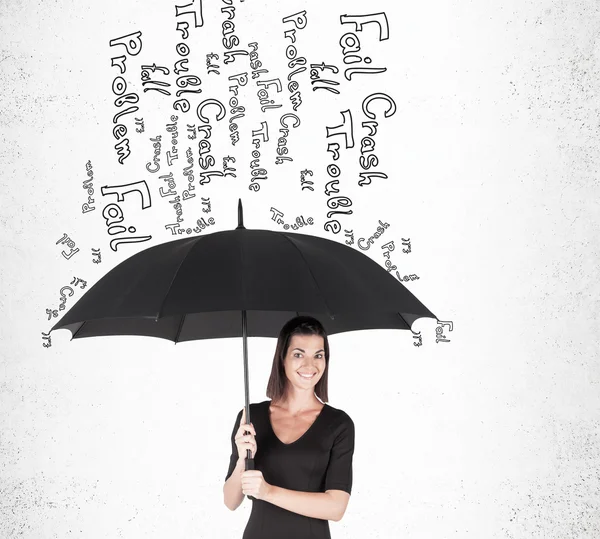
492	172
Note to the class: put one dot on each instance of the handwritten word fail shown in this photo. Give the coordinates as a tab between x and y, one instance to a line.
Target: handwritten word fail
350	43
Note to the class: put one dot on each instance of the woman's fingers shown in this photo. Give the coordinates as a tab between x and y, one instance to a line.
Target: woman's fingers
246	426
246	441
247	429
245	438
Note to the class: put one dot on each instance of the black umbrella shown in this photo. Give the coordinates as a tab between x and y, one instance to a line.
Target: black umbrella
203	287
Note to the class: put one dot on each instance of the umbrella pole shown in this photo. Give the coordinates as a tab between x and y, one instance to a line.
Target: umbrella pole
249	459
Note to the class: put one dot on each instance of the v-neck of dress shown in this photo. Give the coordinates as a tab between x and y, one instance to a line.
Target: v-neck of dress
305	432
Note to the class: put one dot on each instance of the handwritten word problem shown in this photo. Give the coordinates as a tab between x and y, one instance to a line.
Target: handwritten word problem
387	249
236	110
299	20
133	46
188	173
88	185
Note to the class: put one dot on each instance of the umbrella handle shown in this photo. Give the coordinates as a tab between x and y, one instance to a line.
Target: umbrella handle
249	466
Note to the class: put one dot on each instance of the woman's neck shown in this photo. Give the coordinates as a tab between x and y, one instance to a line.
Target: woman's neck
297	404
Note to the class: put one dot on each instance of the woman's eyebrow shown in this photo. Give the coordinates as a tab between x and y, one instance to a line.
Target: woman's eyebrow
305	352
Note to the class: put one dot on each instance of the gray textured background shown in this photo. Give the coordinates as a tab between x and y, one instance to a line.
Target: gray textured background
493	163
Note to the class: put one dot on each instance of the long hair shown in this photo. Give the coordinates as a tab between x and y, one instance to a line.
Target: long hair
300	325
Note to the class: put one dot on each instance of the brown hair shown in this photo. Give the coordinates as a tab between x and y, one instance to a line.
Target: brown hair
300	325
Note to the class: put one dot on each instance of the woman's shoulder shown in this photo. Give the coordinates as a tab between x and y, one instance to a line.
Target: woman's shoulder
341	415
255	406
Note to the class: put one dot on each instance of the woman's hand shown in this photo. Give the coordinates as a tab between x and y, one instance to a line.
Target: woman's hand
245	441
254	484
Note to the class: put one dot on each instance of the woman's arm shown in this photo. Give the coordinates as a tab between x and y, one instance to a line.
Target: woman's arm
232	490
329	505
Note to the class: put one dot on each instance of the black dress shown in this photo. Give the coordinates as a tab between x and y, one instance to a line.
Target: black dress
321	459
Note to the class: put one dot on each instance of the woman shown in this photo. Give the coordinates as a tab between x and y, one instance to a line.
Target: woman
302	447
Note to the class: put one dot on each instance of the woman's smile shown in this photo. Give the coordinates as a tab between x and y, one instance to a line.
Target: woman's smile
305	358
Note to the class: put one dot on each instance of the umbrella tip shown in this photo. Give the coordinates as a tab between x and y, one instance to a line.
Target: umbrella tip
240	215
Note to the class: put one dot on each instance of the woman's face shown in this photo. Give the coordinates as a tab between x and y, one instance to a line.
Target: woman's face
305	355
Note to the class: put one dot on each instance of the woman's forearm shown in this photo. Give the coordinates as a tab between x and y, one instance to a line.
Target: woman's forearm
232	490
310	504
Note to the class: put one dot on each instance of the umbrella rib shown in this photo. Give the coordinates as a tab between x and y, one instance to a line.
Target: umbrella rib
78	330
404	320
311	274
193	243
180	326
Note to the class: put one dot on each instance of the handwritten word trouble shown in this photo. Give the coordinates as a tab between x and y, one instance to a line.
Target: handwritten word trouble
344	130
195	10
202	224
258	172
300	221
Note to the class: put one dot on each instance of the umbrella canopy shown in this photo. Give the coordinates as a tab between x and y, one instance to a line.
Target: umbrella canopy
195	288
